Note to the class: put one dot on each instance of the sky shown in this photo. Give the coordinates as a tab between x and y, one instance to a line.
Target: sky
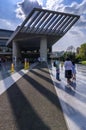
13	13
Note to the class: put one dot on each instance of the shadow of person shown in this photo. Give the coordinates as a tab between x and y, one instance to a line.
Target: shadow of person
73	84
70	88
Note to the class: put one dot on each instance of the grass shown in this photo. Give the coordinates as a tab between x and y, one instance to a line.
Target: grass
83	62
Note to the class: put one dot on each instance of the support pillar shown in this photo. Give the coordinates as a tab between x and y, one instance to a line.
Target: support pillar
16	52
43	49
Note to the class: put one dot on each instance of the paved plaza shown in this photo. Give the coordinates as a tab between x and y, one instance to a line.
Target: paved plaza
34	100
73	100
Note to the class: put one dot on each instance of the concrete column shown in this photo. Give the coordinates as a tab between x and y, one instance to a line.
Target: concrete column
16	52
43	49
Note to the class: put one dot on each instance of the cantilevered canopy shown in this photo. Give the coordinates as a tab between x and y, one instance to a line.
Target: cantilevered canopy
39	23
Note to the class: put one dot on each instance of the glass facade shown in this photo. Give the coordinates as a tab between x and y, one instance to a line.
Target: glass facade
4	50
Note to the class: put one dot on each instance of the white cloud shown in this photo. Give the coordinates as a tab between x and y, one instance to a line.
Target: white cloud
79	9
76	8
68	40
7	24
53	4
19	13
40	2
25	7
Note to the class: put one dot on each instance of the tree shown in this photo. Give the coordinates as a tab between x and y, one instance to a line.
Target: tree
82	52
66	54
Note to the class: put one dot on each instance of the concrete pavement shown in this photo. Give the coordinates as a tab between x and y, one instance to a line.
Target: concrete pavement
73	101
31	102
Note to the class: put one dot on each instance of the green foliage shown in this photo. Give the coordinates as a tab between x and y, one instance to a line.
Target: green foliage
78	57
82	52
71	55
83	62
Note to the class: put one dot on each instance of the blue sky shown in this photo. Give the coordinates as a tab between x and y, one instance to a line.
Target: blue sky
68	2
13	12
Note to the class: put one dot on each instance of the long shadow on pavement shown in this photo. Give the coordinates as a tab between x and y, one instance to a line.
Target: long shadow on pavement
26	118
34	105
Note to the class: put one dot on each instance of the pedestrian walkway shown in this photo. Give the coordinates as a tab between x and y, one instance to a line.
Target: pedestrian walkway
31	103
73	100
5	69
34	100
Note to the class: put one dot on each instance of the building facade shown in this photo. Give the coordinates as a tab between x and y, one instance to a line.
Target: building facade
5	52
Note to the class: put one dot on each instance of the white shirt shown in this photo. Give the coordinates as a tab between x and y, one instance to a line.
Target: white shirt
68	65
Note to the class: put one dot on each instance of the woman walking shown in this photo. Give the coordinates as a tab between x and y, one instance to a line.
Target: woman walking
56	64
68	70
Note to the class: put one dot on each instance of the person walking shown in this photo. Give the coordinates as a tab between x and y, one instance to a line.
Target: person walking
73	71
68	70
56	64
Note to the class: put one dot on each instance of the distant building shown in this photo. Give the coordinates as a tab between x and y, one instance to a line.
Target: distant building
56	54
70	49
4	36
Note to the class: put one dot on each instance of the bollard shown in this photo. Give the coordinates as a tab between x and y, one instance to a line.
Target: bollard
25	65
28	65
12	67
